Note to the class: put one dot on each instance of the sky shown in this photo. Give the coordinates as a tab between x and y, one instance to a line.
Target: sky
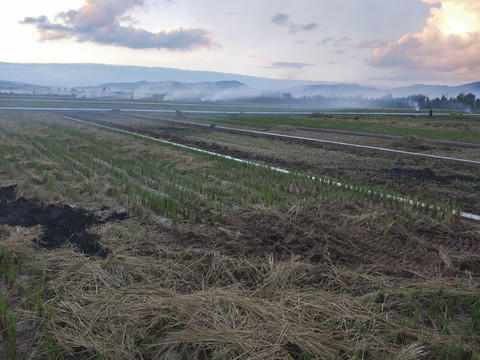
369	42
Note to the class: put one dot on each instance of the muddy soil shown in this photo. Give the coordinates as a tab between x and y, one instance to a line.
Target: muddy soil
342	234
61	224
411	143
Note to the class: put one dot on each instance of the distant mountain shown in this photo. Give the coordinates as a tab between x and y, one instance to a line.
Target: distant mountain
81	75
7	84
473	88
13	85
434	91
129	82
346	90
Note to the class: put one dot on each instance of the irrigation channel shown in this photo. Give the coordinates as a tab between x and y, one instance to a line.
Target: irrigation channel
464	215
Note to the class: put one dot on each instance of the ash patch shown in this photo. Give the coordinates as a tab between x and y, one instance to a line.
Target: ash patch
62	224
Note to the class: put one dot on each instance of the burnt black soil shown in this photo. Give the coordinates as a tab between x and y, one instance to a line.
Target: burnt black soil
61	224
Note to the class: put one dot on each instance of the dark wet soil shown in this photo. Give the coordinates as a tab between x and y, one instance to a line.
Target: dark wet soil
342	234
61	224
427	174
7	193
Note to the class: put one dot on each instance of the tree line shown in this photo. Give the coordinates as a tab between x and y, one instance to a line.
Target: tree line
463	102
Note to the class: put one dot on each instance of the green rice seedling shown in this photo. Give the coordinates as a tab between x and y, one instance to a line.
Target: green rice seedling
2	156
8	328
434	301
453	350
60	175
53	349
474	320
363	354
48	181
8	263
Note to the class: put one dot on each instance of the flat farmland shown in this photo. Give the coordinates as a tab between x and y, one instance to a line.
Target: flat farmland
115	245
413	176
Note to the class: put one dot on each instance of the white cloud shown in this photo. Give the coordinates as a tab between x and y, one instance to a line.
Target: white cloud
449	43
100	21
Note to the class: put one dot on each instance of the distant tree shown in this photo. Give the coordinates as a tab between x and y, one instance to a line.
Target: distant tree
470	100
287	96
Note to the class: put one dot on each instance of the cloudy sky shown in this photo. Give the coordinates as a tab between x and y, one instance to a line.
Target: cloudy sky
376	42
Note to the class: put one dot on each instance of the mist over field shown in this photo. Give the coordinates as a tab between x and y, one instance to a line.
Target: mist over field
128	83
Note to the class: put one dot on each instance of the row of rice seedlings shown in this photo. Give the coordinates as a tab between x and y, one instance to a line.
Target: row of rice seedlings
364	195
258	187
155	201
47	148
153	169
4	163
340	192
216	193
8	328
213	192
21	146
270	187
77	162
164	197
52	149
259	184
15	165
440	210
2	156
43	171
361	194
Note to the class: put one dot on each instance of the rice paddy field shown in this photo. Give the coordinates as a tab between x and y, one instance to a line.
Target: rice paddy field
119	239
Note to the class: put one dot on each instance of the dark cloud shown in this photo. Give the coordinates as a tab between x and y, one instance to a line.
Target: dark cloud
328	40
308	27
295	65
279	19
31	20
100	21
282	19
